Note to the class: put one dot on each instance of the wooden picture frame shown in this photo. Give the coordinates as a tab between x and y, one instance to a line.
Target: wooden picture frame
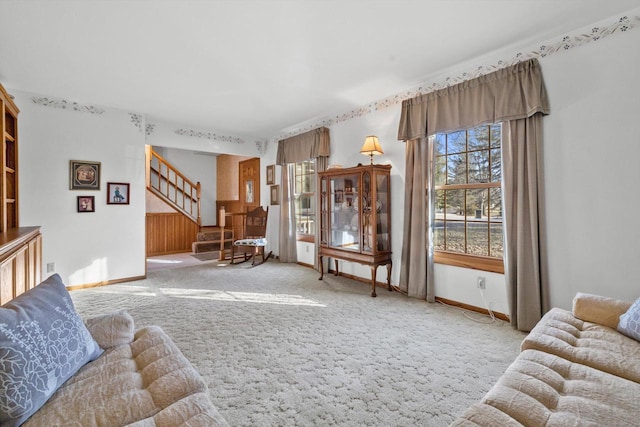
84	175
118	193
275	194
271	174
86	204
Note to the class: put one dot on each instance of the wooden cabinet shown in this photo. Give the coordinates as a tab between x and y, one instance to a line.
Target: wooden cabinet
20	248
8	162
355	218
20	261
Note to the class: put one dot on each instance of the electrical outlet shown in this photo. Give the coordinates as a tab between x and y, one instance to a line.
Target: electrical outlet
482	282
51	267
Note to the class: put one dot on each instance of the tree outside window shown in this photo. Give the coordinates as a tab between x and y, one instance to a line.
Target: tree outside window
468	205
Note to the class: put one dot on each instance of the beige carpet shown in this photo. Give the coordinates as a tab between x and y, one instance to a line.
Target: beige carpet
278	347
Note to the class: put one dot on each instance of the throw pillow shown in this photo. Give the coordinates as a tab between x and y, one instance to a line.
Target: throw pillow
630	321
43	342
111	330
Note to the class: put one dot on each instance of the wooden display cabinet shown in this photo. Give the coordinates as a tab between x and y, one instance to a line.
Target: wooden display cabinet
20	247
8	163
355	218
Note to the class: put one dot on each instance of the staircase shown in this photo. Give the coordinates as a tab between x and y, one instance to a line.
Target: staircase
166	182
172	233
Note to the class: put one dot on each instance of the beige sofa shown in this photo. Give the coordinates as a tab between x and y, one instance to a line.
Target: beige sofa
58	370
141	379
575	369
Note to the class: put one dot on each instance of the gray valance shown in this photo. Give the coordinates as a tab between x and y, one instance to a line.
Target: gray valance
510	93
308	145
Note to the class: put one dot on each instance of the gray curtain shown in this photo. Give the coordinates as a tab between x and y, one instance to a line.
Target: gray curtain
522	178
511	94
314	144
416	268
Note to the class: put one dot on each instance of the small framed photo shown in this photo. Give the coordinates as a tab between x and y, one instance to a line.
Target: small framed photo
86	204
271	174
339	196
84	175
117	193
275	196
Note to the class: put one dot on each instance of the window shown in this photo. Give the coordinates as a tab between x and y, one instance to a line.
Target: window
305	199
468	206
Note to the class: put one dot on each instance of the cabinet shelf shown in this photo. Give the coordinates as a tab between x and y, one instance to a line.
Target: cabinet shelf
351	229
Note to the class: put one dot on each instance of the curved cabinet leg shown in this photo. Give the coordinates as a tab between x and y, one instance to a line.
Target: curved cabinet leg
321	265
374	269
337	272
389	276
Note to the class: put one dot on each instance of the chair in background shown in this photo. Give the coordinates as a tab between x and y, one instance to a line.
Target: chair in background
254	241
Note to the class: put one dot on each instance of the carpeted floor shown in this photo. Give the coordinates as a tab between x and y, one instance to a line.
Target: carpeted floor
278	347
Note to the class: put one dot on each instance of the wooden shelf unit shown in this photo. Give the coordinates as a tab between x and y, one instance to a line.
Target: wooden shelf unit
355	218
8	162
20	247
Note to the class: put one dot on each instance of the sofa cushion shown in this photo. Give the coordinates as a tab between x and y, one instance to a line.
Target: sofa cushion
630	321
590	344
598	309
546	390
111	330
43	342
148	382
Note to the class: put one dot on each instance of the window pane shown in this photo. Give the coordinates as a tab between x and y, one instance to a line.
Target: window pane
477	238
456	142
440	204
479	138
439	143
496	135
438	236
495	205
307	184
454	203
476	203
441	170
479	166
457	169
496	236
455	236
496	165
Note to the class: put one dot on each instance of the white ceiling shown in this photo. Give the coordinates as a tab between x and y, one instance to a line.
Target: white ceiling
253	68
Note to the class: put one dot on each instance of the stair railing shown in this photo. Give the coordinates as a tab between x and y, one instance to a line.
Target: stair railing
168	183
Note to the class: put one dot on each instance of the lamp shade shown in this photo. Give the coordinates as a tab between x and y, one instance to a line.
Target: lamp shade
371	147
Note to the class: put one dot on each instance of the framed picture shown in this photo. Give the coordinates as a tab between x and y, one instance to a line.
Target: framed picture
84	175
271	174
339	196
275	196
86	204
117	193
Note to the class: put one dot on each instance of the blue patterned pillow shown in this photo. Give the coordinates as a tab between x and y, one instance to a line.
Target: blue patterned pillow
43	342
630	321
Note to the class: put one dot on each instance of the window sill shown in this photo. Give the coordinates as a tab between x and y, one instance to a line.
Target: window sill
310	238
495	265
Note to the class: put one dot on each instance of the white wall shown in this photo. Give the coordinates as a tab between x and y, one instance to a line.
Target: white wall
591	155
85	247
198	167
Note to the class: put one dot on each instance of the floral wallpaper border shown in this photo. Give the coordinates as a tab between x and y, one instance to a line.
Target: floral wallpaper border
63	104
209	135
621	25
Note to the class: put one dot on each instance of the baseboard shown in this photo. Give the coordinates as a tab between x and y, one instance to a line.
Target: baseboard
104	283
468	307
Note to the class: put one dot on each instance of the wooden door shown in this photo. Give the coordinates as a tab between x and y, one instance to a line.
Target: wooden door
249	183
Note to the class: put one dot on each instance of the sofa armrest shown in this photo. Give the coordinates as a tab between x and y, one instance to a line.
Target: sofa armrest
598	309
110	330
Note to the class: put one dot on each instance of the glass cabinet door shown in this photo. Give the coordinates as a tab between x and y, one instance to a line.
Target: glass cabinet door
382	208
344	205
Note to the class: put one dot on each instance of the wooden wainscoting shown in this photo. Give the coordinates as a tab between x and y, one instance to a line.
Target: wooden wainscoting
169	233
